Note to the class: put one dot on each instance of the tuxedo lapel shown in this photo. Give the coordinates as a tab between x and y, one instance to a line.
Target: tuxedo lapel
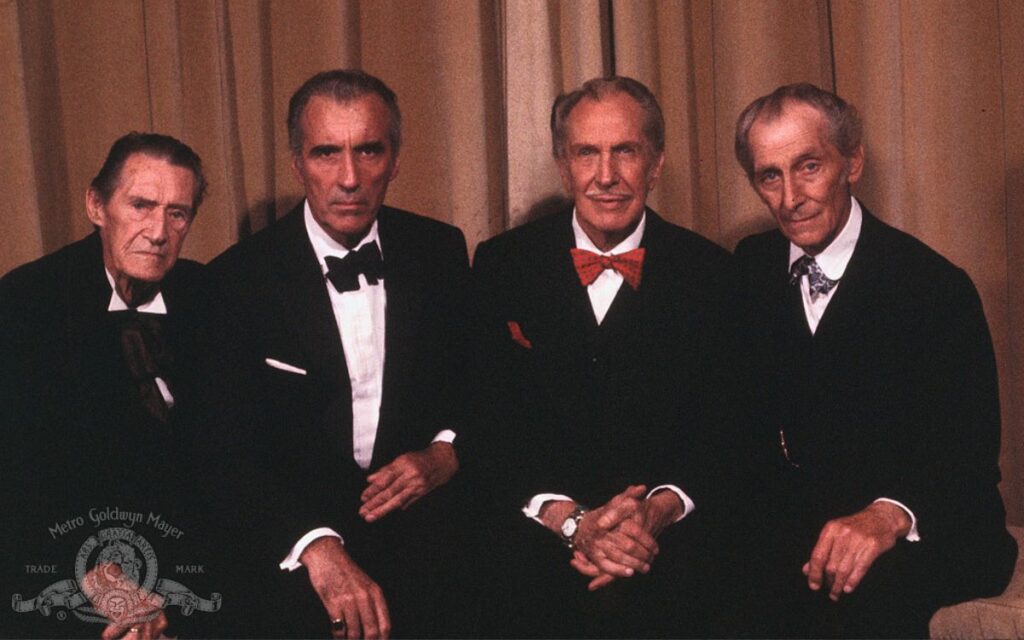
300	282
402	329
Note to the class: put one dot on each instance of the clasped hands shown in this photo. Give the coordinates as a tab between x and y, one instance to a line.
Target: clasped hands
618	539
848	546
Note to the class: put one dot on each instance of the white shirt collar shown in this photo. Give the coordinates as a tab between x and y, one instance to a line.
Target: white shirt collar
836	256
117	303
324	245
632	241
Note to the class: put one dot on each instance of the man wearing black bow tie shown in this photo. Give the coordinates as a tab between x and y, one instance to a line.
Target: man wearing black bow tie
342	364
604	340
876	413
98	355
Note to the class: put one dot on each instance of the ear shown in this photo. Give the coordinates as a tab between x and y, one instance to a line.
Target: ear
297	169
394	167
855	165
94	207
563	173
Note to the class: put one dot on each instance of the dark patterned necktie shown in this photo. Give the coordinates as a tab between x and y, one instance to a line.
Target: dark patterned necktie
344	272
819	283
147	357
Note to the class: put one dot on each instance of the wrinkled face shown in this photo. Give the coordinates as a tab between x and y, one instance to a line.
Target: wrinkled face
144	223
802	177
608	166
345	164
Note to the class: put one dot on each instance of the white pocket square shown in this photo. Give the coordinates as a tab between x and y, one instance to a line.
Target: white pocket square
284	366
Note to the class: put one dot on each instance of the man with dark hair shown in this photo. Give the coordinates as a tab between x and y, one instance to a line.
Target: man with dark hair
876	413
98	350
604	331
341	376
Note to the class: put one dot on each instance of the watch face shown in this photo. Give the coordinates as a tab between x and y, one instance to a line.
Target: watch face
569	527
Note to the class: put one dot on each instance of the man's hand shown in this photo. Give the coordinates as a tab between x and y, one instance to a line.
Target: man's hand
847	547
645	524
347	593
406	479
612	538
134	613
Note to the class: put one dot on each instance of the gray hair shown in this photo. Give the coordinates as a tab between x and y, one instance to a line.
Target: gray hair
845	129
343	85
598	88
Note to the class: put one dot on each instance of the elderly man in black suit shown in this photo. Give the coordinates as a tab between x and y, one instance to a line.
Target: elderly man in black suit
98	348
339	379
877	412
604	328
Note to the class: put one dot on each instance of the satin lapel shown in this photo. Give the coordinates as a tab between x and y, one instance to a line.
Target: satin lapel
404	308
301	285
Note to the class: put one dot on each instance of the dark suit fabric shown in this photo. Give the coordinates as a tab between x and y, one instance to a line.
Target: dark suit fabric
77	439
587	410
894	396
292	434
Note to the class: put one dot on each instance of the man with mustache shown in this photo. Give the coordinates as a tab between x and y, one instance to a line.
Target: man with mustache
99	350
876	414
604	328
339	378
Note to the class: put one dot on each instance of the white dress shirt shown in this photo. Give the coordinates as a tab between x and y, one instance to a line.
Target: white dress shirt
602	292
360	317
833	261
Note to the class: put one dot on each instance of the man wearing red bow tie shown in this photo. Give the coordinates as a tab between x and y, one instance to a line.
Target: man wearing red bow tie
604	330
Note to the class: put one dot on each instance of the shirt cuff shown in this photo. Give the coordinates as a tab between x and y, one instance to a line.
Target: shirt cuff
444	435
537	502
291	561
688	505
912	535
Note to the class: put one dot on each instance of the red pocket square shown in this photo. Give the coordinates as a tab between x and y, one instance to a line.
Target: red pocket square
517	334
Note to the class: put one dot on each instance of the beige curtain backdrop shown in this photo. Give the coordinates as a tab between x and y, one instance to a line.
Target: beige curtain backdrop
940	85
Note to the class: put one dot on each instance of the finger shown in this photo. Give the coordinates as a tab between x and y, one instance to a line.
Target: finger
600	581
380	499
580	563
383	616
378	481
844	567
640	536
621	507
353	623
607	565
815	567
621	550
395	502
860	569
368	616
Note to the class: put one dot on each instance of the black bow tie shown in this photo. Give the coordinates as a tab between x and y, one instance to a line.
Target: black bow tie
344	272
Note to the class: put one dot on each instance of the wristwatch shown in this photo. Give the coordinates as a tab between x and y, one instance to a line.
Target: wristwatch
571	525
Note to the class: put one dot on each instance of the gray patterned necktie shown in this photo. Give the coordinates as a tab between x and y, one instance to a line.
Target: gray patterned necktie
819	283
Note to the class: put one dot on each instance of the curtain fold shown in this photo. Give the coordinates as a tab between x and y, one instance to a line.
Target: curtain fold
938	83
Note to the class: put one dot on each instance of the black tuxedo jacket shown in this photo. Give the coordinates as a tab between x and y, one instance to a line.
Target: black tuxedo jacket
586	410
295	430
77	440
894	396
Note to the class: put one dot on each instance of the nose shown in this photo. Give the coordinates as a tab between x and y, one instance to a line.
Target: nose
792	195
158	229
607	171
348	177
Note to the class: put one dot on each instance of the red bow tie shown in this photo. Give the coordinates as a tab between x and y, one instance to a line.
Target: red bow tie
589	265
